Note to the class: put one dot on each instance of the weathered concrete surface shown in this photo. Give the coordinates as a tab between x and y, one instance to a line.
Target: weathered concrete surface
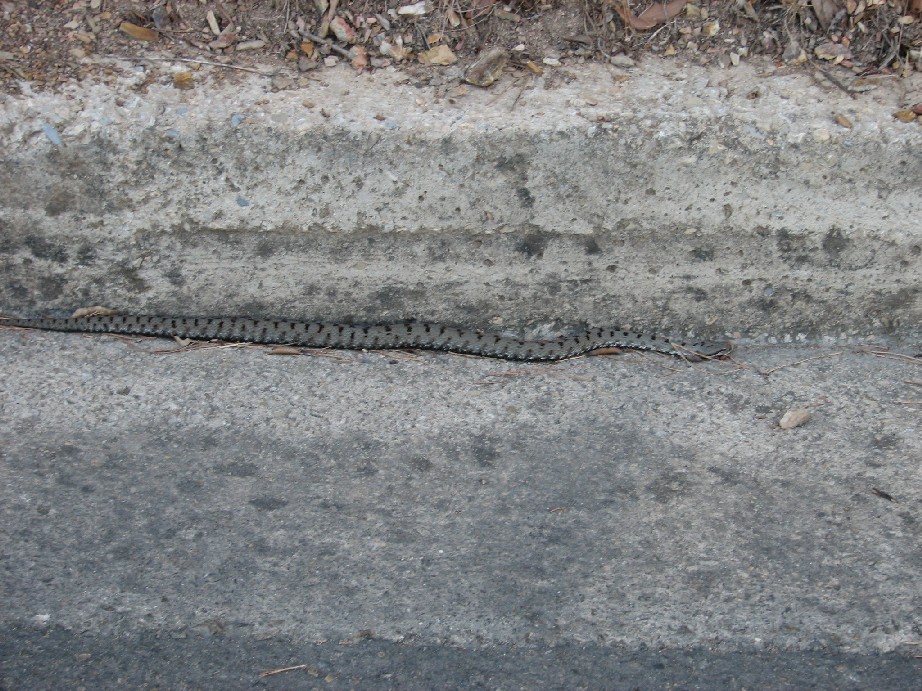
456	519
714	202
607	506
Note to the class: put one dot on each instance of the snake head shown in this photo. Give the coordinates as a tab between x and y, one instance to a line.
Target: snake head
708	350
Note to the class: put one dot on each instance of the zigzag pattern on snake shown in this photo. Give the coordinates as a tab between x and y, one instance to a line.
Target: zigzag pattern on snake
388	336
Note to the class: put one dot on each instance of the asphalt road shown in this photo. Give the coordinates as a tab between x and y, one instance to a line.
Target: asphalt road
194	519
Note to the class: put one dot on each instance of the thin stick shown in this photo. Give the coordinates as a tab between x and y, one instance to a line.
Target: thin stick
518	96
835	82
791	364
273	672
205	62
895	356
332	46
739	365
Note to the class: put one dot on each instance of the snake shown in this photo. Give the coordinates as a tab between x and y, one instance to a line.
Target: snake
382	336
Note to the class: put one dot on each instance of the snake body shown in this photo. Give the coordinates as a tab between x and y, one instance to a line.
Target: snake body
388	336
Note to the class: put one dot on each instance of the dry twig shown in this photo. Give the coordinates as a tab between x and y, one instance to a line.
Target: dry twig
798	362
895	356
204	62
273	672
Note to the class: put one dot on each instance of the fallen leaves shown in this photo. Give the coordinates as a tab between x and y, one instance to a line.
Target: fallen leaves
359	58
342	30
825	11
95	311
394	49
653	16
138	33
184	81
795	418
835	52
416	9
440	55
906	115
488	67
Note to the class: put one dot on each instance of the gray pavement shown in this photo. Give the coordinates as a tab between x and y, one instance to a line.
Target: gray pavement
194	519
394	519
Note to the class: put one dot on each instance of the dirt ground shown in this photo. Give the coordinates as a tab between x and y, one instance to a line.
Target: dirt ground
45	44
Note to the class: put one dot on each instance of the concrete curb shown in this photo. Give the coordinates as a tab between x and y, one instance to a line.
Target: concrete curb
697	201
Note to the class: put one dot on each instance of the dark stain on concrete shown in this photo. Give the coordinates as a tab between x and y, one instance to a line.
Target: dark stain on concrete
533	245
86	254
51	287
703	254
835	242
265	248
516	163
133	280
175	276
60	201
668	486
238	469
793	248
42	248
592	246
525	197
484	452
421	464
268	503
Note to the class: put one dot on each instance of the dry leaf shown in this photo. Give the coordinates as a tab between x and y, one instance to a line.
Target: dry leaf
440	55
343	31
213	23
285	350
96	311
825	11
255	44
842	120
138	32
359	58
487	68
416	9
832	51
650	17
394	50
223	41
794	418
505	15
184	81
